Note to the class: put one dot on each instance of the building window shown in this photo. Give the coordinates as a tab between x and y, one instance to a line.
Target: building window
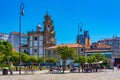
30	51
35	38
25	51
35	50
41	50
35	43
82	49
40	37
30	37
40	43
30	43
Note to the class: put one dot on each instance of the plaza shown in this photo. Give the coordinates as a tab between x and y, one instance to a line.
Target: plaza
45	75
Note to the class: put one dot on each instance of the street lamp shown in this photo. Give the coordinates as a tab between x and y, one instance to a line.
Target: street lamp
21	14
79	30
78	39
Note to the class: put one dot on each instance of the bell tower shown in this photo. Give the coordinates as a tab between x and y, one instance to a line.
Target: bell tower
49	33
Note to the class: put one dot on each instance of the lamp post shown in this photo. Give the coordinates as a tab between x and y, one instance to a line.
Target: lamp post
78	40
79	30
21	14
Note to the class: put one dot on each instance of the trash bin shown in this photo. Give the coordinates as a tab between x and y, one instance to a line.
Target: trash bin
5	72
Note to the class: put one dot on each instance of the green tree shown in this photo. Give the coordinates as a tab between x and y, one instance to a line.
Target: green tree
6	49
1	60
91	59
106	62
65	53
1	57
33	59
41	60
15	59
25	58
51	60
98	56
81	60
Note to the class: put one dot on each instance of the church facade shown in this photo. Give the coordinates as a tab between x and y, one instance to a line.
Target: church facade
40	39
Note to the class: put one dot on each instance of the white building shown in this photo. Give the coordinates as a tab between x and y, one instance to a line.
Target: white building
4	36
14	40
35	42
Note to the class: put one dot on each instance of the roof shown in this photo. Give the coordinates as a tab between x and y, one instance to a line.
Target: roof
68	45
18	33
103	46
92	51
100	47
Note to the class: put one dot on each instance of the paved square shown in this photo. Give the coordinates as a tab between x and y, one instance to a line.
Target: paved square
43	75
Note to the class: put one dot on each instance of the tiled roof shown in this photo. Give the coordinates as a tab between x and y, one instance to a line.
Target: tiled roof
98	46
92	51
68	45
18	33
103	46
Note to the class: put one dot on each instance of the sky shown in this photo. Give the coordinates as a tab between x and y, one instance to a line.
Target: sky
100	17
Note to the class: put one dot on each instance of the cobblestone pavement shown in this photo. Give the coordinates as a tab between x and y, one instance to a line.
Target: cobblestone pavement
43	75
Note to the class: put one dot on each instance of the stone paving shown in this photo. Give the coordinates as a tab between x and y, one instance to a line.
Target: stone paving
44	75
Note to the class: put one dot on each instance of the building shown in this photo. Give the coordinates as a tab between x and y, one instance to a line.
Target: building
14	40
104	49
50	51
84	38
115	44
39	40
49	33
4	36
80	49
35	42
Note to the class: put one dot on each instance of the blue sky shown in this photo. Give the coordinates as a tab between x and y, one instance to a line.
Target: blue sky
100	17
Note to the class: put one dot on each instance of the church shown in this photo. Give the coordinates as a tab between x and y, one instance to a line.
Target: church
39	40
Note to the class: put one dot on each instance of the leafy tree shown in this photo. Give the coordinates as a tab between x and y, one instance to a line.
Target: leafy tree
1	57
91	59
33	59
15	59
81	60
98	56
41	60
6	49
106	62
65	53
51	60
25	58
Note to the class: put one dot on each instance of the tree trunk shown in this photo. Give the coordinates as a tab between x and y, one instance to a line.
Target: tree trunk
79	67
16	68
11	72
82	67
64	65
